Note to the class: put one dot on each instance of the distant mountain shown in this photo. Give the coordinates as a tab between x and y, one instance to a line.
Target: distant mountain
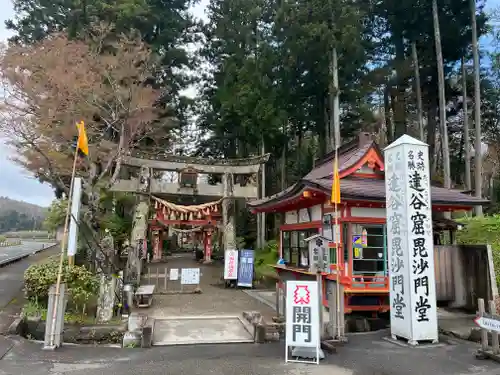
17	215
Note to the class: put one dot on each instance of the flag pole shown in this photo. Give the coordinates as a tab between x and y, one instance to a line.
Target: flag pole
63	250
337	240
336	137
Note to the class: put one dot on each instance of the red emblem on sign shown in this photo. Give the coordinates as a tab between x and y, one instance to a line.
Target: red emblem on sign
301	295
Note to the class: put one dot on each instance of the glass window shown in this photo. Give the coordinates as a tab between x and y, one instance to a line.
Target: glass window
345	242
369	249
285	246
295	248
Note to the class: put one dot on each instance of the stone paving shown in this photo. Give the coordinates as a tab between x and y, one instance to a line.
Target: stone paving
212	316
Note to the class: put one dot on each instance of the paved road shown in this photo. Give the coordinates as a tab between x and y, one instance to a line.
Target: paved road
11	275
365	354
25	248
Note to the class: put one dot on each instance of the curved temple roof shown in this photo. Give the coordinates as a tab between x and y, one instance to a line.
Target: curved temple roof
352	156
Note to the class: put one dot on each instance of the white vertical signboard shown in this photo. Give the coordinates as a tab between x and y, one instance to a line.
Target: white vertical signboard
302	320
231	265
76	198
410	241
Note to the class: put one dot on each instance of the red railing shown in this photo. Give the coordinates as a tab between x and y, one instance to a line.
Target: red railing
365	282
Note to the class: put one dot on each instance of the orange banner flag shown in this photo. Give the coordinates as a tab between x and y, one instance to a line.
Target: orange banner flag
335	198
83	143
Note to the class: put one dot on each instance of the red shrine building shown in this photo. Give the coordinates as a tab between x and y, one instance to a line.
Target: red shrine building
361	227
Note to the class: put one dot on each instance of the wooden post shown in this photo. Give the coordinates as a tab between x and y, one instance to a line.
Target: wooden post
484	333
342	312
180	280
320	309
284	300
278	290
494	335
157	277
332	309
165	275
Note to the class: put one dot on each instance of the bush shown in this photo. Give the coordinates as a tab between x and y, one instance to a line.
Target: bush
483	230
264	257
81	283
3	239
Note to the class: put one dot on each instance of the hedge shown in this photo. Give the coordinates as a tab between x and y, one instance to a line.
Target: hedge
81	283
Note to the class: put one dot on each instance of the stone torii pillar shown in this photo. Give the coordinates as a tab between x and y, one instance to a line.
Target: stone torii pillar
228	220
139	229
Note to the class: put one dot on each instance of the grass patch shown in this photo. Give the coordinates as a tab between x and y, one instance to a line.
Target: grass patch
33	309
265	257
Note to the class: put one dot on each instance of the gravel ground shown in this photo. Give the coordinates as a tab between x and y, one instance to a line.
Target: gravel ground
364	354
214	299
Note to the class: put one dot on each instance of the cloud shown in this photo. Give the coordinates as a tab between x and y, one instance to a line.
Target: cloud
17	184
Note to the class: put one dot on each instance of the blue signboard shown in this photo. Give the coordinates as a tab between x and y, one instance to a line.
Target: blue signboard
245	269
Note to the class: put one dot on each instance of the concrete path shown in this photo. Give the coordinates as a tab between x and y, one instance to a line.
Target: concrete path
366	354
12	281
202	330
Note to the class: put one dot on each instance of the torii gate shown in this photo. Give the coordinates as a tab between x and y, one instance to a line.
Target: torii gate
239	179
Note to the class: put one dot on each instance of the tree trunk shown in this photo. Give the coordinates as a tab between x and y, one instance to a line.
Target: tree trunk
478	172
400	126
442	99
284	154
335	125
418	91
387	114
431	132
263	230
468	181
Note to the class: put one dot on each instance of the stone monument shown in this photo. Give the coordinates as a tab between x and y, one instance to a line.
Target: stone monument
410	242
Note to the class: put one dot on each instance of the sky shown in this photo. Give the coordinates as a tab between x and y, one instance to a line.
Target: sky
15	183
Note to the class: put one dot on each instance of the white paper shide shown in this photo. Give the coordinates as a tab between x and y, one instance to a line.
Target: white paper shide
410	241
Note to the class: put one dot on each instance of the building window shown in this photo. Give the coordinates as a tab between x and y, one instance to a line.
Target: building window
345	242
295	248
369	249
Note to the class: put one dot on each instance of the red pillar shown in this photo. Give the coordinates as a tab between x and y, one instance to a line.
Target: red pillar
157	246
207	242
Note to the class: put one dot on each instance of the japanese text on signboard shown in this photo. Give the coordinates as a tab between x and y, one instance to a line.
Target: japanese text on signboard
231	265
396	227
302	314
420	226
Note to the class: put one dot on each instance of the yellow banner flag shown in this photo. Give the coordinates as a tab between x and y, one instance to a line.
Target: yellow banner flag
83	143
335	198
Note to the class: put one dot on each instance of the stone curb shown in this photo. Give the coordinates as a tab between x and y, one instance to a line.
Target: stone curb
140	333
264	331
